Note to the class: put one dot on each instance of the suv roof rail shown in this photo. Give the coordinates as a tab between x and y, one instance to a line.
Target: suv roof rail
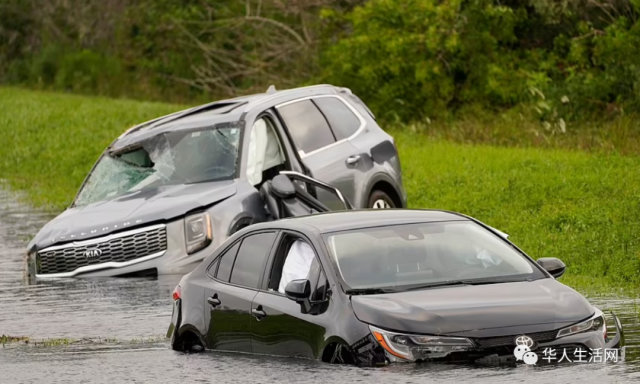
253	103
271	89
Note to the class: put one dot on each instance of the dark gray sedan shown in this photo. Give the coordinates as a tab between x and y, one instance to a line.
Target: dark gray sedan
167	192
379	286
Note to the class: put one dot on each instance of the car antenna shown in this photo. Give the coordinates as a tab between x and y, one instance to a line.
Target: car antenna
272	89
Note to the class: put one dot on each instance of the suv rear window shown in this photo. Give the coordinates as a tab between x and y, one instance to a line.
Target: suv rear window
308	127
342	120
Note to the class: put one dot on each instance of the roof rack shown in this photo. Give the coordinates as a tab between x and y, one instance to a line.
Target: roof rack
271	89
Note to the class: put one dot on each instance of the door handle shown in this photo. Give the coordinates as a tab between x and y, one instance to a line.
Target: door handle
353	159
258	313
214	301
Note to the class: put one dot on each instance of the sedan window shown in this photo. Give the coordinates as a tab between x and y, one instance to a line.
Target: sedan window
426	253
253	253
307	125
294	259
226	263
297	264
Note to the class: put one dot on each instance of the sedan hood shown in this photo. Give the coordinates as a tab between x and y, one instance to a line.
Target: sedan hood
476	311
134	209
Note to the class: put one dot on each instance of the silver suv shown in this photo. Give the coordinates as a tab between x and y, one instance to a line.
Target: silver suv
167	192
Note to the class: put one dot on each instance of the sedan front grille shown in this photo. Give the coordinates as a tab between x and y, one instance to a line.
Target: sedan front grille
123	247
492	342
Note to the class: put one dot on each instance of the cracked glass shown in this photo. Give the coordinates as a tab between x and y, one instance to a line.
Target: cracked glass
171	158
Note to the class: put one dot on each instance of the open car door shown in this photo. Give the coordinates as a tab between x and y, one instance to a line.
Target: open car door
284	198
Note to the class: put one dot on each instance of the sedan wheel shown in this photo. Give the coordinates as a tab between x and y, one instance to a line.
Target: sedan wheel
380	200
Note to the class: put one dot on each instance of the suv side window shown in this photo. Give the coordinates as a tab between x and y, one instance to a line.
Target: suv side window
226	263
308	127
342	120
249	264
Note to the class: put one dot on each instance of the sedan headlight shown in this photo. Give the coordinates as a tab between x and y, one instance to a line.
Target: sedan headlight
419	347
596	323
197	232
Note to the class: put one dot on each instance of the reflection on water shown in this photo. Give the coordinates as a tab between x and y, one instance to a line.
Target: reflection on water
127	310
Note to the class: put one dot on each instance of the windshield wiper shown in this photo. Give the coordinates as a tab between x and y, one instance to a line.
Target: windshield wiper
465	282
439	284
369	291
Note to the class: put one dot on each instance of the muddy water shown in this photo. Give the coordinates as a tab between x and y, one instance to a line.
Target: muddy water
112	330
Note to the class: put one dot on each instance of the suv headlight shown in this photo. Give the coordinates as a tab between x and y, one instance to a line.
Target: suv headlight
419	347
197	232
596	323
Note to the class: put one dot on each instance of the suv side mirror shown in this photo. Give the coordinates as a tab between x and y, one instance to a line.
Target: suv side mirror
298	290
552	265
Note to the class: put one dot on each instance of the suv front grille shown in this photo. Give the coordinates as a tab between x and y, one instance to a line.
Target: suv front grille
491	342
123	247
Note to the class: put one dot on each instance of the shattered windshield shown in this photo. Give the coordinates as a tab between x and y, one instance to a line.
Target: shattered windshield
170	158
403	256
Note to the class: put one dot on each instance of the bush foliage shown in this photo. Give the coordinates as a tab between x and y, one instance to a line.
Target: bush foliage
423	58
553	60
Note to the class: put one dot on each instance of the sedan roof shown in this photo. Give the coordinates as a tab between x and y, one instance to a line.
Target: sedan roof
347	220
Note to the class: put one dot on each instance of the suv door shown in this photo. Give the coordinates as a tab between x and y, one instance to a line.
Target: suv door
235	279
325	150
278	326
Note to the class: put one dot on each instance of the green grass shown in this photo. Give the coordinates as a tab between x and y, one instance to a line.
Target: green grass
6	339
620	134
581	207
50	141
56	342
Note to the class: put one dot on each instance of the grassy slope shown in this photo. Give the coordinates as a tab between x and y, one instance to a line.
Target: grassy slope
50	141
573	205
579	207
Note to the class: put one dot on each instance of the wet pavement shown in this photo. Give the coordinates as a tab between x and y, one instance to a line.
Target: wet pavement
112	330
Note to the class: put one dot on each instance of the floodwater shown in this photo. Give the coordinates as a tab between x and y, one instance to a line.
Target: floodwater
114	331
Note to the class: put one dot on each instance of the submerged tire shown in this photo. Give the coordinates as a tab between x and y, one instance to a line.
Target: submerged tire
380	200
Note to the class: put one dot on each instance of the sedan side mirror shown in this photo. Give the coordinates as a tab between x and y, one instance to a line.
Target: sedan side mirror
298	290
552	265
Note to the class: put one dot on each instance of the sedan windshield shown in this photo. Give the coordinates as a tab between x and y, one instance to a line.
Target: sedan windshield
170	158
400	257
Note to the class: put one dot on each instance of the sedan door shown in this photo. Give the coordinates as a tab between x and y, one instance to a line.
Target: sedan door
324	150
278	326
236	276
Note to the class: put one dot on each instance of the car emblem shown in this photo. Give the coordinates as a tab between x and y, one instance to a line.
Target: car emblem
525	340
92	253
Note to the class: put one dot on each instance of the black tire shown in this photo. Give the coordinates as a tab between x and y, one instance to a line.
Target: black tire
380	200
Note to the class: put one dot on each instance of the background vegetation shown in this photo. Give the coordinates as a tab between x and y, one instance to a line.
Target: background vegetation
581	207
540	63
521	113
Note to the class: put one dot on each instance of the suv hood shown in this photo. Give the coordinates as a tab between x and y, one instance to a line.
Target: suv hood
135	209
476	311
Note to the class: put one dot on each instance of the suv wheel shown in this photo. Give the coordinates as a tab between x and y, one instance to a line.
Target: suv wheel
380	200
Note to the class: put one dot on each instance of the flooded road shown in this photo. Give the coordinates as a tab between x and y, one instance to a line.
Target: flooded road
112	330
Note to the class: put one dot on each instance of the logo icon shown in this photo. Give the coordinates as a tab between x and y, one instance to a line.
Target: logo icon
520	351
92	253
524	345
525	340
530	358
